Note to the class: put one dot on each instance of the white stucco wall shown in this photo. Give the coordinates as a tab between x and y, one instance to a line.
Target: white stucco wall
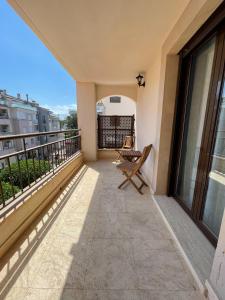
147	111
155	102
127	106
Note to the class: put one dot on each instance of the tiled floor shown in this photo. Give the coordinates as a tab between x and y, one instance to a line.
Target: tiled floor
97	242
196	246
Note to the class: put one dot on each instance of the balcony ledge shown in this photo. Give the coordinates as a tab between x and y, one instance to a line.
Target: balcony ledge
18	215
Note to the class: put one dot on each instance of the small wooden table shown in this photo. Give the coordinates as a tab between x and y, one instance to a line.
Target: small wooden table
130	155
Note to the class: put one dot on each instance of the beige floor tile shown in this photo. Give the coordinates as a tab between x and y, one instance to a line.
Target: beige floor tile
111	225
145	225
103	243
45	294
111	265
65	265
113	295
142	248
164	295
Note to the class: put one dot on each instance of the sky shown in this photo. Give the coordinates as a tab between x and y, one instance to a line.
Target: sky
28	67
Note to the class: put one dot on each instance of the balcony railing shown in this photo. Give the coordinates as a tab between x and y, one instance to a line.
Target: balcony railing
22	169
4	116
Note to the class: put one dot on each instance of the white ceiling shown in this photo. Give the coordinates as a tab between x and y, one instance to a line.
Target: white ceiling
103	41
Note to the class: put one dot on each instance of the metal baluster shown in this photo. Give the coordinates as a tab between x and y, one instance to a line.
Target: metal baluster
2	194
49	164
10	177
52	160
43	153
66	149
61	159
73	146
39	162
64	153
19	168
70	141
56	161
27	166
34	168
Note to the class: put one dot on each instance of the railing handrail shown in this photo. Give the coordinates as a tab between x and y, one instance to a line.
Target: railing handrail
36	147
26	135
37	161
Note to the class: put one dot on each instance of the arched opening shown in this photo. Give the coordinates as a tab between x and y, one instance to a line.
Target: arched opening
116	105
115	119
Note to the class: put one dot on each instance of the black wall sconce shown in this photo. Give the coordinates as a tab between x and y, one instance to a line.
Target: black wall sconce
140	80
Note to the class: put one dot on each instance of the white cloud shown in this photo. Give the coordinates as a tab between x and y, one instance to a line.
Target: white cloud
60	109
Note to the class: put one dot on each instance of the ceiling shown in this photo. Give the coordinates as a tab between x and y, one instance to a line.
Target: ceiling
103	41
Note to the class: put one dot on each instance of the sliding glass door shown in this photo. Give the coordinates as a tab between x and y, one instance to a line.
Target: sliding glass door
215	194
198	89
197	178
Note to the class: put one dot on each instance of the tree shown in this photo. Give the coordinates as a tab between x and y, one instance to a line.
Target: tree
71	120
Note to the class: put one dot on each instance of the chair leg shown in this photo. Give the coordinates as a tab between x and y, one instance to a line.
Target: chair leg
123	183
132	182
141	179
136	187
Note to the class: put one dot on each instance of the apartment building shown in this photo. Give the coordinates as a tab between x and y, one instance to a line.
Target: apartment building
21	116
5	126
54	125
24	120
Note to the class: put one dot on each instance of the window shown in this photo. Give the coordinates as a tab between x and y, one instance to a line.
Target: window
3	114
115	99
7	145
4	128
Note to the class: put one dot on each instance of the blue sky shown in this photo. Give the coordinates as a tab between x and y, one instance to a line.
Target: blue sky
28	67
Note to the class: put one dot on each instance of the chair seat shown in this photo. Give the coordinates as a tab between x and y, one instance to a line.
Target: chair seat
127	166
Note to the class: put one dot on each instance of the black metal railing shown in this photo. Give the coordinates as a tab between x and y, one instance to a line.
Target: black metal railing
113	129
20	170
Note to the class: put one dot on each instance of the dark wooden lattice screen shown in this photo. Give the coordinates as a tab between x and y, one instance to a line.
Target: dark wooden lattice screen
113	129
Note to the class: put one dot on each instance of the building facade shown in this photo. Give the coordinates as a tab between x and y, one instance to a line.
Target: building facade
21	116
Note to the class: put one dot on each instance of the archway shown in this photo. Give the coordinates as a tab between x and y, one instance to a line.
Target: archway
115	120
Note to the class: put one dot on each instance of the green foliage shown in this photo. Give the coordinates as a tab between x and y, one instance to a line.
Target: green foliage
28	172
7	191
71	120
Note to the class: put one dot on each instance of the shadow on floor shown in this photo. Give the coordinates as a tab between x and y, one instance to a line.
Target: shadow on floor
13	263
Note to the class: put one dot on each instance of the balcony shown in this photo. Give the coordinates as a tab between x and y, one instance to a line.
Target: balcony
89	246
82	238
4	116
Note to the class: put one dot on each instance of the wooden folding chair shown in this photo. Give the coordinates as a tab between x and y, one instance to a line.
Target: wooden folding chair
130	169
128	144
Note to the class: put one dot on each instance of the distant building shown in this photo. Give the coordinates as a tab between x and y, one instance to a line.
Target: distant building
6	147
54	125
43	122
21	116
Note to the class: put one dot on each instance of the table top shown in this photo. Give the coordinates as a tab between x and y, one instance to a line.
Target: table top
130	153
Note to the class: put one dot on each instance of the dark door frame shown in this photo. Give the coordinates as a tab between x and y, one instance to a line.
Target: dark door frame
215	26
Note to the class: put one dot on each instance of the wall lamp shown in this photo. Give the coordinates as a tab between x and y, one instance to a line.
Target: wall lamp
140	80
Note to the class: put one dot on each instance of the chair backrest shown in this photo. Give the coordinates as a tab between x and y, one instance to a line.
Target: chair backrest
144	156
128	142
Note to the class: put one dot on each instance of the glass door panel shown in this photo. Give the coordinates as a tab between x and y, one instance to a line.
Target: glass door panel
215	196
198	89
